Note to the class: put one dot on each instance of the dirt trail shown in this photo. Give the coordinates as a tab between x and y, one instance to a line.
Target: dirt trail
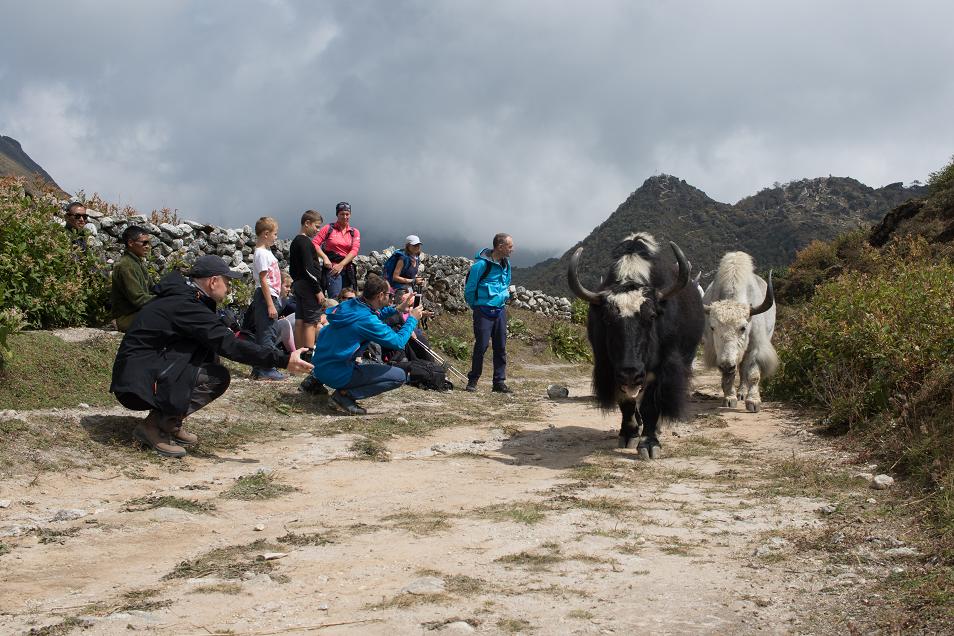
471	529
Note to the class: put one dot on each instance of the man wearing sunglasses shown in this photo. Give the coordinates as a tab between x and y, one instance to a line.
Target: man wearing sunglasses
76	218
168	361
131	285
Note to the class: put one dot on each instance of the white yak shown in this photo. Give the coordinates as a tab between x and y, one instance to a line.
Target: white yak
740	321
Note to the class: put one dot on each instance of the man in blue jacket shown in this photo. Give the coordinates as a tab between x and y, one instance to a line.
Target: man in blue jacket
486	292
352	325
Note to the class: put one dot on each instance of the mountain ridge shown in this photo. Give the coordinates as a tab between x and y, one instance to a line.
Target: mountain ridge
15	162
771	225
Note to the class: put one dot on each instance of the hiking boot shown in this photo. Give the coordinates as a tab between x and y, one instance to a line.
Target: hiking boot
346	405
312	386
183	437
269	375
501	387
306	356
471	387
148	434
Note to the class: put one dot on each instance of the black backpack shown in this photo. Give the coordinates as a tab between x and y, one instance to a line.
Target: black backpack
425	374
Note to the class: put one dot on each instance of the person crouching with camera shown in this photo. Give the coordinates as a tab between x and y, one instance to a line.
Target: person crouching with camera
352	325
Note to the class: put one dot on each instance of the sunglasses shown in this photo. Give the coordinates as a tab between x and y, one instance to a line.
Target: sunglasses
343	207
78	216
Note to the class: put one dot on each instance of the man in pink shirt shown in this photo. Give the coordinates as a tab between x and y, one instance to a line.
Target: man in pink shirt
337	244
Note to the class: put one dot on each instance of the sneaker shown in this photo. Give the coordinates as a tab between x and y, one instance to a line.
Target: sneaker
312	386
501	387
183	437
471	387
346	405
270	375
148	434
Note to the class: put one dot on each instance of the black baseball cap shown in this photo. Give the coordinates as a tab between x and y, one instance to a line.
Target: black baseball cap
344	205
211	265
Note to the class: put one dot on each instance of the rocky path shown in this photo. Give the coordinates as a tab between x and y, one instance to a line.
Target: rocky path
500	527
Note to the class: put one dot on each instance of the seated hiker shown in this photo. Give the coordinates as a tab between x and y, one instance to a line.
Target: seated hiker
352	325
285	325
168	364
131	284
402	266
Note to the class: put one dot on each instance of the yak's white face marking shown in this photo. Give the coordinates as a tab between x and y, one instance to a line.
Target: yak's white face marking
633	267
728	324
646	239
629	303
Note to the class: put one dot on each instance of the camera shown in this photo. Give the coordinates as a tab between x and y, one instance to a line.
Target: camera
417	300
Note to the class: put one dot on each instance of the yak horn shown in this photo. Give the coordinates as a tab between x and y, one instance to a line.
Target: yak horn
767	303
573	280
682	279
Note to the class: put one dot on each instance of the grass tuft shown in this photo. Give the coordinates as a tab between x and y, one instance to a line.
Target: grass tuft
257	487
168	501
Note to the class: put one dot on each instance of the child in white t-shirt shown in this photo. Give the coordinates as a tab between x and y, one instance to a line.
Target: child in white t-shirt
268	282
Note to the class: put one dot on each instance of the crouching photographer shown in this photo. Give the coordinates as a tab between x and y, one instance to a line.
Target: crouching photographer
352	326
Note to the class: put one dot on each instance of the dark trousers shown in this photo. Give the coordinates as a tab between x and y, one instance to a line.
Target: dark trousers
487	330
211	383
372	379
266	334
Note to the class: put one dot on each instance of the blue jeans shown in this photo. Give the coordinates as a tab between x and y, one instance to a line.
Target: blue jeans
373	379
266	334
335	284
487	330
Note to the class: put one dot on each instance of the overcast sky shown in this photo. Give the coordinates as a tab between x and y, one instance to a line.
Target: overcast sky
458	119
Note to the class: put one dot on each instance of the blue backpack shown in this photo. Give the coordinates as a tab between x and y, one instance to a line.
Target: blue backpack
391	263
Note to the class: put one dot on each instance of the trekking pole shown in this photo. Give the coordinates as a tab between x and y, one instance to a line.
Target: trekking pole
442	361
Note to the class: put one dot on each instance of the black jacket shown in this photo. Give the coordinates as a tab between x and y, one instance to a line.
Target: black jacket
160	355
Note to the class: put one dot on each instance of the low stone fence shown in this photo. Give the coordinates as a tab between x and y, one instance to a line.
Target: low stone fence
184	242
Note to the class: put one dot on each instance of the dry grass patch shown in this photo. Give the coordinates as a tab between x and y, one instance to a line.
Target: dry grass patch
370	449
230	562
526	512
168	501
257	487
219	588
310	538
514	625
419	523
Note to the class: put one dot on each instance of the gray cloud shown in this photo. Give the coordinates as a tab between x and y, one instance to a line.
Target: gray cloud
455	120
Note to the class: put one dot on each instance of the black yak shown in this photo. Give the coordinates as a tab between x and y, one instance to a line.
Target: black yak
644	326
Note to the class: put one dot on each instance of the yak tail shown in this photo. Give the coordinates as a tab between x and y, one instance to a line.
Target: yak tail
767	360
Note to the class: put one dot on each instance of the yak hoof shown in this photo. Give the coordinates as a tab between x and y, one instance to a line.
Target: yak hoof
627	441
730	402
650	449
752	407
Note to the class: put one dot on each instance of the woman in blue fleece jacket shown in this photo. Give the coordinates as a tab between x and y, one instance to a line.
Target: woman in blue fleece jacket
351	326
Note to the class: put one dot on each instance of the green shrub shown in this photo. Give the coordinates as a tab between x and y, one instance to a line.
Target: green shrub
11	321
452	346
42	274
876	351
579	310
518	329
941	187
567	343
821	261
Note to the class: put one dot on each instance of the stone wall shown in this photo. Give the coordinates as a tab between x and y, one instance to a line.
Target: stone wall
184	242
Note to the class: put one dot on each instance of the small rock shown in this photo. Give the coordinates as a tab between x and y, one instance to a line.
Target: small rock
763	602
69	514
871	500
83	405
4	503
458	627
882	482
271	556
323	607
901	553
425	585
263	470
401	420
827	509
557	391
259	527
